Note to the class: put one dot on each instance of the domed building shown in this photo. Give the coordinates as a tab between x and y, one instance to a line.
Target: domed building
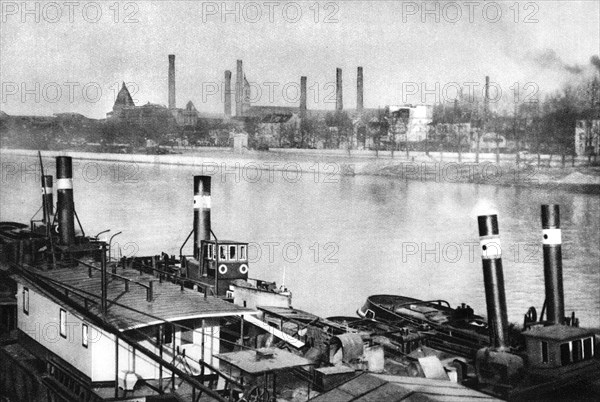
125	110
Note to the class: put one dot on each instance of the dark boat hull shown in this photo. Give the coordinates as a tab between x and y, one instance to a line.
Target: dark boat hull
454	330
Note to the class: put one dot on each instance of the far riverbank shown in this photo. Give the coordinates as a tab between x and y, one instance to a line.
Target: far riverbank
435	167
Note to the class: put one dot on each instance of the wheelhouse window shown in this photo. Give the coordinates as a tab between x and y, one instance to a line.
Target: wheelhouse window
588	348
63	323
577	350
26	301
84	335
209	251
544	352
223	253
242	255
232	253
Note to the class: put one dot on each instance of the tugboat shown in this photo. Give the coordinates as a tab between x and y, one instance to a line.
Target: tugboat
554	353
218	267
90	329
548	355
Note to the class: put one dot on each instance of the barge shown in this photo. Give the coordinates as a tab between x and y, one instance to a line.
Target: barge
548	355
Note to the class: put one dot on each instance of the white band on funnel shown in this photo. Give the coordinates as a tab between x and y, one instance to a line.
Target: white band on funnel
202	201
490	248
551	236
64	184
46	190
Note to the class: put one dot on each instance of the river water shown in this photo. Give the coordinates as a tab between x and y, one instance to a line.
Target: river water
336	240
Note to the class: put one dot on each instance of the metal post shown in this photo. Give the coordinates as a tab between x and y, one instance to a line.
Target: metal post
173	352
104	283
160	354
150	291
202	352
116	366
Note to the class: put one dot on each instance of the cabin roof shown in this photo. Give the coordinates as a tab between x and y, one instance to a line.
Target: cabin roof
169	302
558	332
274	360
288	313
227	242
373	387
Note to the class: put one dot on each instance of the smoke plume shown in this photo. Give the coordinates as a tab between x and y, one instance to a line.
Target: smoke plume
548	59
595	60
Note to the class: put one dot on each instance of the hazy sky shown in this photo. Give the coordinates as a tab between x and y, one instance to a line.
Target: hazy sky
89	45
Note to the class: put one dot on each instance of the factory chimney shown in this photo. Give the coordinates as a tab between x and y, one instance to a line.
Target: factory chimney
201	212
339	104
172	103
553	277
65	206
227	93
239	88
302	96
359	90
493	277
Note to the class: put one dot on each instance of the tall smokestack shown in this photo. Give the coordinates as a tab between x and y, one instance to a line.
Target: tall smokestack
239	88
486	99
227	93
339	103
303	96
65	206
493	277
553	277
47	199
359	89
201	212
172	104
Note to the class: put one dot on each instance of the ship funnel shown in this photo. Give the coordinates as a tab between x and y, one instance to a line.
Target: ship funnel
64	193
552	250
47	199
493	277
201	212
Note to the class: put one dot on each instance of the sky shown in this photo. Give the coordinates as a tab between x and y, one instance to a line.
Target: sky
58	57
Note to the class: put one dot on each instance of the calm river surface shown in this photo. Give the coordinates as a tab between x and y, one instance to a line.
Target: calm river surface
338	239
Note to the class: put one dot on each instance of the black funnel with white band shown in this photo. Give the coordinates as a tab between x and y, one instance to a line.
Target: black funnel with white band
493	276
553	276
202	201
65	205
